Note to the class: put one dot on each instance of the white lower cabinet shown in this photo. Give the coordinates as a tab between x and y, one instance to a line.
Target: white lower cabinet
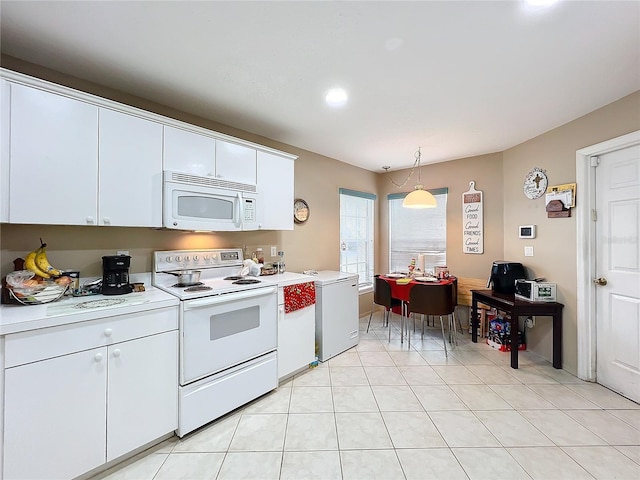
55	416
142	394
296	338
73	411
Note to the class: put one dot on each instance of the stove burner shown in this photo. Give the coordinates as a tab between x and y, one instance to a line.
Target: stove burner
232	278
198	288
246	281
182	285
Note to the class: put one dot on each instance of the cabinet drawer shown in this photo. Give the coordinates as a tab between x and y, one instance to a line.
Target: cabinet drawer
26	347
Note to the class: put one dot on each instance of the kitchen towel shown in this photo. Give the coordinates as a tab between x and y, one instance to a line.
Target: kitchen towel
299	296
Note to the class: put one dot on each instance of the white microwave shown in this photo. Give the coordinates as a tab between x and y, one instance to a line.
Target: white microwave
191	202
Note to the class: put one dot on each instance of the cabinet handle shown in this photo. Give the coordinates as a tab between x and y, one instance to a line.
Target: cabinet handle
90	220
108	332
116	352
106	220
98	357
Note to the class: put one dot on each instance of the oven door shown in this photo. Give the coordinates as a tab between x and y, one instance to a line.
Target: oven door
221	331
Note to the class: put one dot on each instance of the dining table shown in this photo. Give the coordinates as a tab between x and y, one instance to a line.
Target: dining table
401	285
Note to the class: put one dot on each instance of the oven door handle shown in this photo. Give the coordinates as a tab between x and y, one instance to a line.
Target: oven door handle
227	297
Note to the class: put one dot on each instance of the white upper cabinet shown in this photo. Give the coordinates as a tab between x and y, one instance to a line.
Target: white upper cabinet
53	158
74	163
235	163
189	152
5	131
205	156
130	155
71	158
275	191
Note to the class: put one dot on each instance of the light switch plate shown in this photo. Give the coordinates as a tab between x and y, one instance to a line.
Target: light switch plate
528	251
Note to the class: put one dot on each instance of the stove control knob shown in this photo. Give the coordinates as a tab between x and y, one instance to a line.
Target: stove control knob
186	259
215	256
195	258
168	259
206	257
178	258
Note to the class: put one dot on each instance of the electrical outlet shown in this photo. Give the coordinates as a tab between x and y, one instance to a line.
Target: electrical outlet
274	251
122	252
528	251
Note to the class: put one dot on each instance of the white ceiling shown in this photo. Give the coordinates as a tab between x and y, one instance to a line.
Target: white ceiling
457	79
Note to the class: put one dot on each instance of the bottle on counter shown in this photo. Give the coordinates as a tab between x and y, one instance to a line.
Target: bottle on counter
259	255
281	266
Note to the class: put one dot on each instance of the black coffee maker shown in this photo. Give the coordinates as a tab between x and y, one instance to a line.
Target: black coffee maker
115	275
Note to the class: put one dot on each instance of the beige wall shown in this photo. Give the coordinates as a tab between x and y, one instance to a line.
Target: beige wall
314	245
486	172
555	244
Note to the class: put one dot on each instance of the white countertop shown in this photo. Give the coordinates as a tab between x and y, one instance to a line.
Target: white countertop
20	318
289	278
326	277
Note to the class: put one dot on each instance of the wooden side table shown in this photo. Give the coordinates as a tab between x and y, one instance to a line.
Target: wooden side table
519	308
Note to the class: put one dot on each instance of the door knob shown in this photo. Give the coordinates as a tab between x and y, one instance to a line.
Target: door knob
600	281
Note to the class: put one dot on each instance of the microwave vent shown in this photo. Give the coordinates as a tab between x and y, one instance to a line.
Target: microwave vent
188	179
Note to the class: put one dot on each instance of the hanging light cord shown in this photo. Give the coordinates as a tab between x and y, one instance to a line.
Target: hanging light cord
415	163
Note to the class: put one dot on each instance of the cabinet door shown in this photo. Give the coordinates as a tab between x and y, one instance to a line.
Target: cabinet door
296	339
275	192
143	392
189	152
53	159
235	163
130	171
5	131
55	416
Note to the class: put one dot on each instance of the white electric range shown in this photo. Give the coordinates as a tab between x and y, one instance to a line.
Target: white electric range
228	333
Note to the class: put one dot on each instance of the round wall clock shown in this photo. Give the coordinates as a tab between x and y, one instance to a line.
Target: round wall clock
300	210
535	184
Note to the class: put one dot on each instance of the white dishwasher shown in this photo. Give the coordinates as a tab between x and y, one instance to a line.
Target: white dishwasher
296	322
336	313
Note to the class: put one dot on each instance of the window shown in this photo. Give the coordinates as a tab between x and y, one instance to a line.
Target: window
417	231
356	234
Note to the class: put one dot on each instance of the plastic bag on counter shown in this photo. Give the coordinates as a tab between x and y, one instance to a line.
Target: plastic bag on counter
250	268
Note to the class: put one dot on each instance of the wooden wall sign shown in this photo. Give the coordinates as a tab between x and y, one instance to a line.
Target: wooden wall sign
472	221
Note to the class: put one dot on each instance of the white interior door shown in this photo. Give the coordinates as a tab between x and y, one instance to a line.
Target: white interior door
618	264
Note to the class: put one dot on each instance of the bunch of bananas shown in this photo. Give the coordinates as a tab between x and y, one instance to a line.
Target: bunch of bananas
38	263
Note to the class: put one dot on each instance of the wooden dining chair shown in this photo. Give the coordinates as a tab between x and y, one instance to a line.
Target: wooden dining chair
436	300
382	296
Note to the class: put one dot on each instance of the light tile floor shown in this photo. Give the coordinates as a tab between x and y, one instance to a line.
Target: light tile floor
383	410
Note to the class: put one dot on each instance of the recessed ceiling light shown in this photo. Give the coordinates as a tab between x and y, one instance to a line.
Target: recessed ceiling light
540	3
336	97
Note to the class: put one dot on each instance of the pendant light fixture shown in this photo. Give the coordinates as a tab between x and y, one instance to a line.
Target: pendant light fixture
419	198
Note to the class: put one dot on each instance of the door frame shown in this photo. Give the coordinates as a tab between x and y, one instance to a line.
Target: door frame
586	250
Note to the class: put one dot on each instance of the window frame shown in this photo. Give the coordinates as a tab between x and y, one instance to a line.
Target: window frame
363	286
400	196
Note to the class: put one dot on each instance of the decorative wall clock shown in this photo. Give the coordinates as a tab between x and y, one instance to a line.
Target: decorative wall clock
535	183
300	210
